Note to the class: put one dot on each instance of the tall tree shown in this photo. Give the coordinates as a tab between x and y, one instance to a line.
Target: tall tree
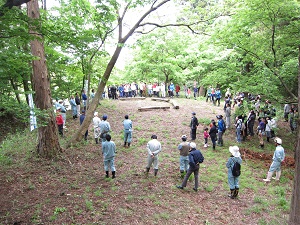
48	144
295	202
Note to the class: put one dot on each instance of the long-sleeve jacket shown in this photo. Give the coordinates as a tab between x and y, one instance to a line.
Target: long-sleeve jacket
127	123
279	154
213	132
194	122
108	149
195	157
104	126
184	148
153	147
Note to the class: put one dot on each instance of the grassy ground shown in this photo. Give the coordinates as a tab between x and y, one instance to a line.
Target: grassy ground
72	189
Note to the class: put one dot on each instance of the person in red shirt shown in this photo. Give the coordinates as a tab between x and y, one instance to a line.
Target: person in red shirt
177	89
60	122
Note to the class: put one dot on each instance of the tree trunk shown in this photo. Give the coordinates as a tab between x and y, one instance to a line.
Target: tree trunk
48	144
16	90
295	202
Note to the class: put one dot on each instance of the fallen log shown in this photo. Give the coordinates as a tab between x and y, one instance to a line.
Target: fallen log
132	98
147	108
160	99
174	103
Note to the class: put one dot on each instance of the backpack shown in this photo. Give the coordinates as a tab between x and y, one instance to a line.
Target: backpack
236	169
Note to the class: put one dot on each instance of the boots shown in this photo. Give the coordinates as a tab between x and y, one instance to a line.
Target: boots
96	139
278	174
107	176
125	144
231	193
147	171
128	144
113	174
269	176
155	172
236	192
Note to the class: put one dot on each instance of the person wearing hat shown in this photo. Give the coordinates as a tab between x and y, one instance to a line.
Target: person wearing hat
278	158
232	180
184	148
81	119
194	124
96	123
153	148
195	158
59	122
127	123
104	127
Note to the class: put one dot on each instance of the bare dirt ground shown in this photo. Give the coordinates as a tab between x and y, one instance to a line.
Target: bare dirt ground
72	189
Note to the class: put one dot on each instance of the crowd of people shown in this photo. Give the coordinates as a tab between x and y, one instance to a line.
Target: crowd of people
190	158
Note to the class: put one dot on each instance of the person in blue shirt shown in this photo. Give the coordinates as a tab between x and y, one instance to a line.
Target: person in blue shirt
73	106
109	152
195	158
218	96
221	129
232	180
195	92
127	123
81	119
278	158
84	99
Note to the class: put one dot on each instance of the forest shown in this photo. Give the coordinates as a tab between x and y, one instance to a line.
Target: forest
54	49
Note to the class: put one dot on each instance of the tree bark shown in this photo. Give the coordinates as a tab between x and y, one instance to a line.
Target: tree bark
48	144
295	202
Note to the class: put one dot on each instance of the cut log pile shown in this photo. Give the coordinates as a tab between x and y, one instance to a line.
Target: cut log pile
174	103
160	99
147	108
132	99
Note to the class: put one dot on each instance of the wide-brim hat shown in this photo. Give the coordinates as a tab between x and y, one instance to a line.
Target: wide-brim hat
193	145
235	151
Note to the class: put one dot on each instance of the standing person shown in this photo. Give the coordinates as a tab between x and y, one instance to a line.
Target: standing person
104	128
59	122
193	125
84	99
177	89
250	122
81	119
109	152
261	131
113	91
218	96
268	128
208	94
92	94
184	148
185	88
227	115
63	111
206	136
195	89
233	181
189	93
77	100
213	134
96	123
238	128
153	148
212	95
278	158
195	158
73	106
172	88
163	90
286	111
127	123
221	129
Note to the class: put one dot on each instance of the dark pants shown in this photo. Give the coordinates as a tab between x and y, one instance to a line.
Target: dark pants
188	174
193	133
61	129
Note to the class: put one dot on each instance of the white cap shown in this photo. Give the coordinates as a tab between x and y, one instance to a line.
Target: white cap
278	141
193	145
95	113
234	150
